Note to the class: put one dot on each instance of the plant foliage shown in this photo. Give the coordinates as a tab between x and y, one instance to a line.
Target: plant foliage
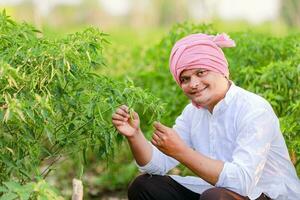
52	104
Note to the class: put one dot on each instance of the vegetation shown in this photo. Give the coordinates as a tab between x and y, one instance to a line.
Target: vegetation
57	96
53	105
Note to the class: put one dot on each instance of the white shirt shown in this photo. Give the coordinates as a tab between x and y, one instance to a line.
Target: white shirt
242	131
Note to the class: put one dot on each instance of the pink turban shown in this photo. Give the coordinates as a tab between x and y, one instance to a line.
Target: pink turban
200	51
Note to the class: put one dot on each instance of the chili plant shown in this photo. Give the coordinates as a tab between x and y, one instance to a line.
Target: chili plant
52	104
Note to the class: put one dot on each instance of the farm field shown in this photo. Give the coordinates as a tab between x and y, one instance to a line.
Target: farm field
58	94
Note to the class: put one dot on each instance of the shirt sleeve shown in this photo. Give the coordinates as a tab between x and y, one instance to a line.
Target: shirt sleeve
160	163
255	134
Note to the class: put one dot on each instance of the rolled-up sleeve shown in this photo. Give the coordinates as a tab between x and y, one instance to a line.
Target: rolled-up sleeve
160	163
255	134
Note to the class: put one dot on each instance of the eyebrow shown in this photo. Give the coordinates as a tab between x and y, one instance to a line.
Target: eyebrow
198	70
184	77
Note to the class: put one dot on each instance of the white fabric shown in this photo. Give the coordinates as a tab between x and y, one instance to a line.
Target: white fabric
242	131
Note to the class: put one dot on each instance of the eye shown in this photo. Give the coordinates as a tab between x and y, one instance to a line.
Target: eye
201	73
184	79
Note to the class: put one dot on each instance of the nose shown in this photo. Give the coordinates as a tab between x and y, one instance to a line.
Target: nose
195	82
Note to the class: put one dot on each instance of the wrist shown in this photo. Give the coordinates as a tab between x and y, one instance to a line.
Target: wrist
136	133
182	154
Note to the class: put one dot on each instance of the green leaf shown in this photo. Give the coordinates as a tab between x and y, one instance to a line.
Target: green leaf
25	195
3	189
9	196
13	186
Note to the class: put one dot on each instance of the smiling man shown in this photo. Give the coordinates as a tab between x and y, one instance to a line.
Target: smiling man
229	137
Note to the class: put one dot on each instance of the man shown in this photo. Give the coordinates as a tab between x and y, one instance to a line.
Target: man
229	137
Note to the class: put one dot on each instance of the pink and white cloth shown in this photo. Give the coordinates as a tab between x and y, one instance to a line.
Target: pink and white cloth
200	51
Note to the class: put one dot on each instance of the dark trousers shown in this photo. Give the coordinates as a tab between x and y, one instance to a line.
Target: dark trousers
155	187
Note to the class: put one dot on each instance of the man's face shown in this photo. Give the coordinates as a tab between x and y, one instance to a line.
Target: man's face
204	87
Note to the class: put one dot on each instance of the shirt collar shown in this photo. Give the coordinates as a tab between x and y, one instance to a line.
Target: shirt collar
221	105
230	93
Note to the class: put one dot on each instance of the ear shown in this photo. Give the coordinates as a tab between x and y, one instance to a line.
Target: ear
227	77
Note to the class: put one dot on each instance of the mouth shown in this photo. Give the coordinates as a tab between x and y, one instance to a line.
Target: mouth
198	92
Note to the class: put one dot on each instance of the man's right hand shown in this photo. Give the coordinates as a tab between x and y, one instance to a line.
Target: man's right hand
130	127
126	125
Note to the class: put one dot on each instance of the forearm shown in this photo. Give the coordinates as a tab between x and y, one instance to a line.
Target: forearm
206	168
140	148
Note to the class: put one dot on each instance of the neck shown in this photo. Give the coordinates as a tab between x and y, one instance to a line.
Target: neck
210	108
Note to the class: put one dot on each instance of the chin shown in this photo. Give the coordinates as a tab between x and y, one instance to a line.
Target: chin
200	102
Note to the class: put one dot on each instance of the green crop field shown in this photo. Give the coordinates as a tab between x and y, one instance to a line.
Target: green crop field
58	94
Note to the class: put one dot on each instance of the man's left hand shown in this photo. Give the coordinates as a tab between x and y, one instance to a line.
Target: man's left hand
167	140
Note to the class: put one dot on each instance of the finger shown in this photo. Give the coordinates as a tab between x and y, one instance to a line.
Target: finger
155	137
119	117
155	140
158	142
122	112
154	143
118	122
159	126
160	134
125	108
135	115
